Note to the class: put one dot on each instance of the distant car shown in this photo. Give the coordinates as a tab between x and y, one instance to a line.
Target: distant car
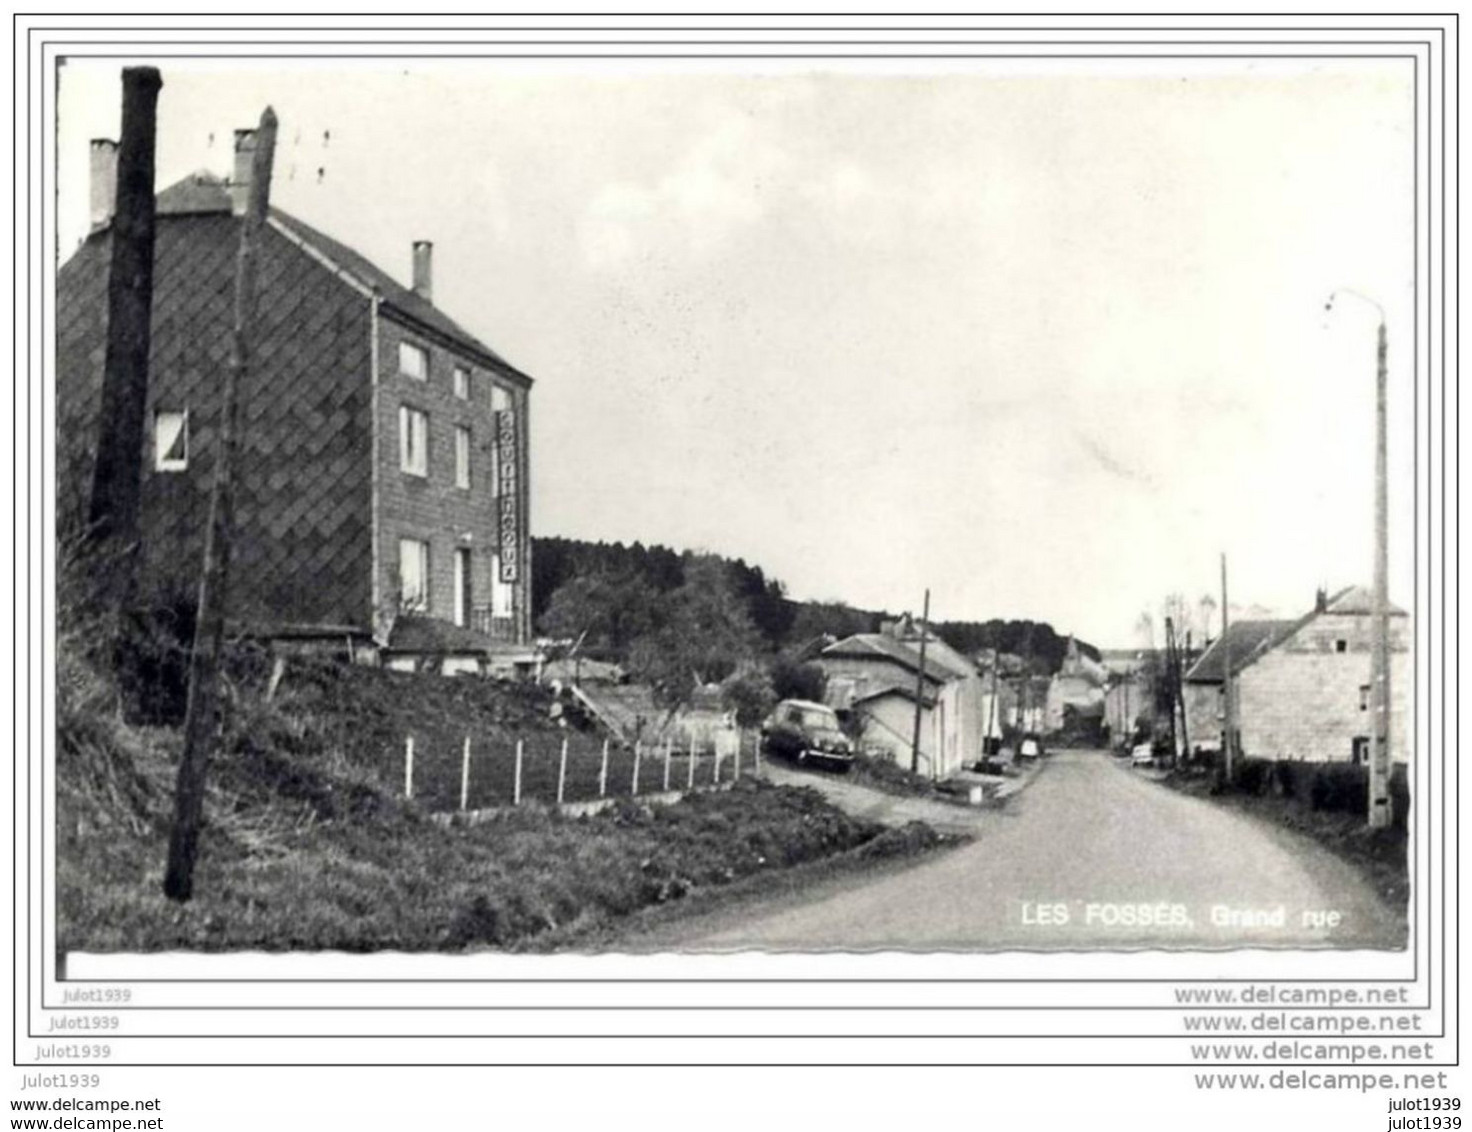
1030	749
1142	754
805	731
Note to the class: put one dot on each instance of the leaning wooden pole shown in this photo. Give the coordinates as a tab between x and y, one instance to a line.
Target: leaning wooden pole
920	688
117	475
201	721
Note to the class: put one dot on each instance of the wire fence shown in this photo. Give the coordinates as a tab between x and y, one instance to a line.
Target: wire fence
489	772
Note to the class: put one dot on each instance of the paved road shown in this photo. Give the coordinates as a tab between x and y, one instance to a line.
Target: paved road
1092	855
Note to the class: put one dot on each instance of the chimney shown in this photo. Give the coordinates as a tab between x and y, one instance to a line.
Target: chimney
423	256
245	152
1321	600
104	180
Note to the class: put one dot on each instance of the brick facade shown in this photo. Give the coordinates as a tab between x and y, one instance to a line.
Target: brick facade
432	508
322	500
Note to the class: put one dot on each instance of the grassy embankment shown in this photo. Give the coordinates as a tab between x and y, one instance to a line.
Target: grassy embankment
308	843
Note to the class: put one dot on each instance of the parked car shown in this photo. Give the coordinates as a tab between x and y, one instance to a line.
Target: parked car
1142	754
807	732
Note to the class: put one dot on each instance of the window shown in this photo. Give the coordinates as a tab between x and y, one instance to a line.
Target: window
462	456
170	441
413	361
462	586
413	575
500	591
1359	750
1364	697
1341	645
462	383
413	441
500	400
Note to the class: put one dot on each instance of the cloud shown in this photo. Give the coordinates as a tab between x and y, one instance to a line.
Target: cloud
718	187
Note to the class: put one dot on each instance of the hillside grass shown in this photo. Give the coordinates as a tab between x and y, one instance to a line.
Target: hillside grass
308	845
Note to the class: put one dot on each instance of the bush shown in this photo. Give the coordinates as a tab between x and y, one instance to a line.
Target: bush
1254	775
793	680
1339	788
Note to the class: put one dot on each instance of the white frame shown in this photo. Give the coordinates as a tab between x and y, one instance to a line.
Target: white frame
413	461
419	371
162	463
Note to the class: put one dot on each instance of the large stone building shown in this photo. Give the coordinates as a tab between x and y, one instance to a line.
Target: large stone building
1303	686
382	481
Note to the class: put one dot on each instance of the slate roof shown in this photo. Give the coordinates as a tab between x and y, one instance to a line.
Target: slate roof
1357	601
303	552
204	193
1248	640
879	646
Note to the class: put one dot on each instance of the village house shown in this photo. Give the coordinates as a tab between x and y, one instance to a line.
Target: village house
877	678
1128	693
1303	686
1076	692
382	479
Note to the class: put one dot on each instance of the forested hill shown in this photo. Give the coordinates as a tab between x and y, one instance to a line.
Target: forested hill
646	572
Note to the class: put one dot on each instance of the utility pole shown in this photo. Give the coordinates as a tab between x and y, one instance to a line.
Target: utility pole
1170	682
117	475
995	714
1181	694
920	687
200	721
1380	808
1229	728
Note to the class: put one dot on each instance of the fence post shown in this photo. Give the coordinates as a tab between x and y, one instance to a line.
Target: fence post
690	763
603	772
738	754
666	764
408	766
715	755
756	753
465	775
516	781
634	788
562	770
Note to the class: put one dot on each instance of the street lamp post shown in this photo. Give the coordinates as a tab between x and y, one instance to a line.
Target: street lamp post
1379	803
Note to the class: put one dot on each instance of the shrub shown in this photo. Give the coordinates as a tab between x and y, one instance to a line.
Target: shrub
1339	787
1253	775
794	680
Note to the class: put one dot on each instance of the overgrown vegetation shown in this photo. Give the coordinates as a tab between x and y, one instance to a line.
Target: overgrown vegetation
308	845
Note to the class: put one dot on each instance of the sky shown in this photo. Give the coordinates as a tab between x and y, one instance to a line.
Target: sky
1044	341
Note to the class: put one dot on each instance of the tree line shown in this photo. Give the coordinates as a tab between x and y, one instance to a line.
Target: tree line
716	615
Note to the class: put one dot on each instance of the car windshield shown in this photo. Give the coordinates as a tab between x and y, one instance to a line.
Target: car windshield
816	717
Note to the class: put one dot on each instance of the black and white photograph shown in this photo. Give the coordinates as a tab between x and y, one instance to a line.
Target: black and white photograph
778	507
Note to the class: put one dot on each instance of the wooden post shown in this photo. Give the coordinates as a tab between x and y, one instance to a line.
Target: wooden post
408	766
738	753
919	689
1229	737
690	762
756	752
666	764
1170	683
715	758
465	775
634	786
117	474
603	772
200	719
1381	812
516	778
562	771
